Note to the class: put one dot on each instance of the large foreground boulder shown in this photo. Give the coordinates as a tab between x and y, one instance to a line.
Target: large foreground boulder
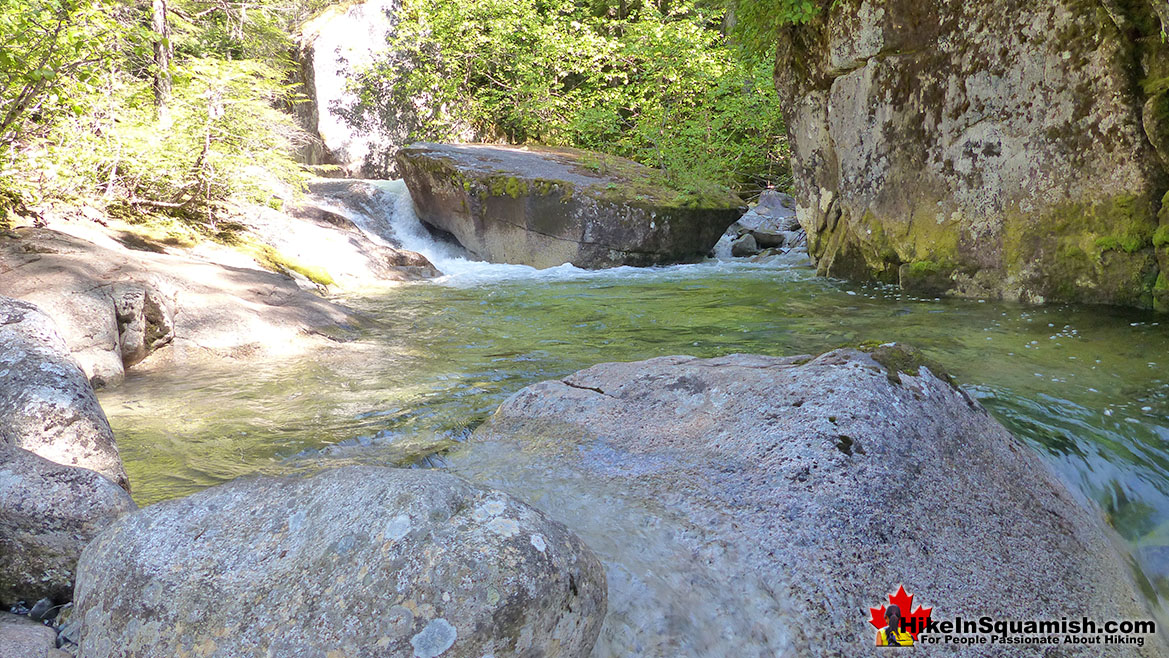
549	206
358	561
760	506
48	513
47	405
995	148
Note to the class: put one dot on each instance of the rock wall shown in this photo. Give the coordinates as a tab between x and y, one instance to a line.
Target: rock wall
1001	149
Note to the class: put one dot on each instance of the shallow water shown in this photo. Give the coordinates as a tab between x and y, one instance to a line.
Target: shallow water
1086	387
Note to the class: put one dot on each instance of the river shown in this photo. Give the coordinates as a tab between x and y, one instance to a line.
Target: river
1086	387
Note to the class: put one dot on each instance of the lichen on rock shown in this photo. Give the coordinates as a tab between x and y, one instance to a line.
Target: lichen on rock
1015	146
544	206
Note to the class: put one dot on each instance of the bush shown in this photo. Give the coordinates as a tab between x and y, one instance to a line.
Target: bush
664	88
227	143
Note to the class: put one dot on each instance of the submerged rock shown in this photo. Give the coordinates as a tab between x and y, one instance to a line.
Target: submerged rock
549	206
48	513
1012	148
358	561
47	405
779	499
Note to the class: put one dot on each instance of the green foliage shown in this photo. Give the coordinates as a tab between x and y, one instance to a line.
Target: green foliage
94	133
227	142
758	22
45	46
664	88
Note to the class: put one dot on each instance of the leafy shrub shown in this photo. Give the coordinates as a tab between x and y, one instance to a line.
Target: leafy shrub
662	86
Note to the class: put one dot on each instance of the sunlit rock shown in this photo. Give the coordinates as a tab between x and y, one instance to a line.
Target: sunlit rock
759	506
357	561
549	206
47	405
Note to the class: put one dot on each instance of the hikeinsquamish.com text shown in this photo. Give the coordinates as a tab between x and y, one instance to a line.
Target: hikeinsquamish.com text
987	630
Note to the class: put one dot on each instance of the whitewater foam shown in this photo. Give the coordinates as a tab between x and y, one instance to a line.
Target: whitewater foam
399	226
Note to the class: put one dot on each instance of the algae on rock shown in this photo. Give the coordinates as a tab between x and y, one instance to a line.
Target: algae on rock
995	149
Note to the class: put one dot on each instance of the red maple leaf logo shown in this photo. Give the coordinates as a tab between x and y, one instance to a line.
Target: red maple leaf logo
913	622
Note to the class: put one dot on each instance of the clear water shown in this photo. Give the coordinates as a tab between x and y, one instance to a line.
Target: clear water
1086	387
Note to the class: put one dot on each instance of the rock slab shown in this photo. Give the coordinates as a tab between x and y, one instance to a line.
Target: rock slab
48	513
115	305
47	405
815	486
545	207
358	561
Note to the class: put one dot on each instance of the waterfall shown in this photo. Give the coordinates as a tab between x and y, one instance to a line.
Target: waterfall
341	44
384	211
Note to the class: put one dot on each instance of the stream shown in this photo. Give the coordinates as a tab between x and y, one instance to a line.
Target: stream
1086	387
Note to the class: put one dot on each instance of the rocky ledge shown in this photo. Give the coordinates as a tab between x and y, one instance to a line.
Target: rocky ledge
795	494
544	207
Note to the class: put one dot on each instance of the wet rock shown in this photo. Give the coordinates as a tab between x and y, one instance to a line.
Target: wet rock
549	206
772	224
48	513
744	246
21	637
43	609
355	561
798	493
47	405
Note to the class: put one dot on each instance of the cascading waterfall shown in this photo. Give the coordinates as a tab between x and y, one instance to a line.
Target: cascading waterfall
343	44
388	216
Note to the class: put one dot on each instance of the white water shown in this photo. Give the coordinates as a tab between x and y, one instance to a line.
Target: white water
398	225
345	43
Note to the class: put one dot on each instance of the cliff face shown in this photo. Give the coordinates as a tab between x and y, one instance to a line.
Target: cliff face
1002	148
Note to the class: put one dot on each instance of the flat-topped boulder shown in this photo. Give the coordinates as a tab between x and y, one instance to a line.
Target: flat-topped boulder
543	206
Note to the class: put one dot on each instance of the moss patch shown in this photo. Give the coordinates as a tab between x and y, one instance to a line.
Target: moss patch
1092	251
896	359
272	259
1161	236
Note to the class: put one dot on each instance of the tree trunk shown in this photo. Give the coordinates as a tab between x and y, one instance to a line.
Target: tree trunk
162	54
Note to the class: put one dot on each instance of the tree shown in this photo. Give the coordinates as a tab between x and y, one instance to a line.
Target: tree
163	51
45	45
664	87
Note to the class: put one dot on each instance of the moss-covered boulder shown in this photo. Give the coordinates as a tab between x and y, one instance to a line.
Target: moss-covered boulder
994	149
544	207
